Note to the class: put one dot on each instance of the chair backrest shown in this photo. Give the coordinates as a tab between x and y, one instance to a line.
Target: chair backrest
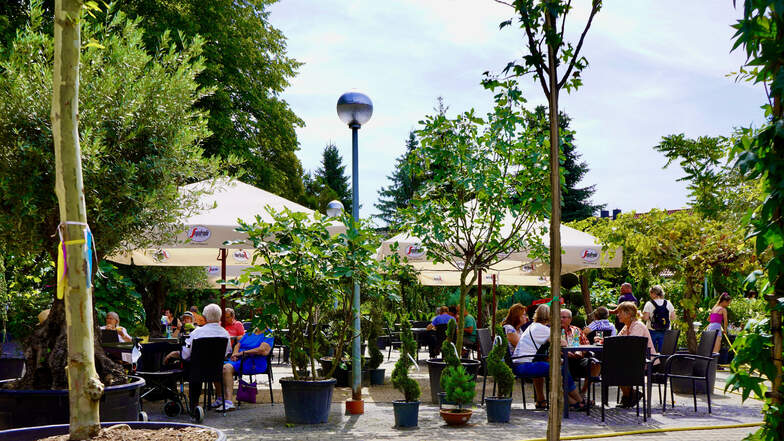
485	342
109	336
152	355
705	348
670	343
419	324
207	355
440	335
623	361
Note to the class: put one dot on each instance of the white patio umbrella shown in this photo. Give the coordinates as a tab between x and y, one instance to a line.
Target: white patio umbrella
201	243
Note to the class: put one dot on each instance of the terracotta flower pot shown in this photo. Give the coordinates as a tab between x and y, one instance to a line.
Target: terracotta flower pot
456	417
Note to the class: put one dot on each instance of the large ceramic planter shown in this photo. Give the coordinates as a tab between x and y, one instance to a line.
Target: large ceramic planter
498	409
456	417
406	413
28	408
683	386
29	433
307	401
436	365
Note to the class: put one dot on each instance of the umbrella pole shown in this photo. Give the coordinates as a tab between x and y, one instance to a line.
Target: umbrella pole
495	306
222	258
479	300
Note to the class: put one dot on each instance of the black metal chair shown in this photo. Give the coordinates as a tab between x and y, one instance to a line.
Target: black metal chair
669	347
394	342
267	371
485	346
624	363
162	382
439	341
700	369
206	366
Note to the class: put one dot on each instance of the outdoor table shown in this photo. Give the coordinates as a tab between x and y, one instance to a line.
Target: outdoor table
598	349
164	340
116	349
418	335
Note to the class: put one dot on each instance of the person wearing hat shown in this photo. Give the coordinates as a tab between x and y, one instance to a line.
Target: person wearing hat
187	323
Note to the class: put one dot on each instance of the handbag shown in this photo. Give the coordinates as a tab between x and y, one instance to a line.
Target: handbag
246	391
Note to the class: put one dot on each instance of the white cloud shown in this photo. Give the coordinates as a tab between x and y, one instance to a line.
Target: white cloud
656	68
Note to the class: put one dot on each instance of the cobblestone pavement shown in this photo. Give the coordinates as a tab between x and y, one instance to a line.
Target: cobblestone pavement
265	421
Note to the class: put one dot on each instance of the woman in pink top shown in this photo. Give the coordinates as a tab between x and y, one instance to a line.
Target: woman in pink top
627	314
718	318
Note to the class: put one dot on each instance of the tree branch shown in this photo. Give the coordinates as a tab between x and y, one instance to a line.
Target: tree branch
594	10
533	48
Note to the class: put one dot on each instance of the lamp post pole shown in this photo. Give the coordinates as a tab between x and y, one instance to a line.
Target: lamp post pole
355	109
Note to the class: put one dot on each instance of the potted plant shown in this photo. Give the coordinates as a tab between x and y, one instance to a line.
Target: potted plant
376	357
460	389
300	272
436	366
499	407
406	410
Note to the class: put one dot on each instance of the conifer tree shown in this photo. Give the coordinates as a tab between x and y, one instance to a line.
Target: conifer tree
405	182
332	174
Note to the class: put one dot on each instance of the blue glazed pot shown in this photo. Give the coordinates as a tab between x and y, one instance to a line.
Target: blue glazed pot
406	413
307	401
498	409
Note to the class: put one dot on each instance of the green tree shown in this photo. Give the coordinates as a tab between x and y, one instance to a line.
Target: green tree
474	208
401	190
576	202
717	188
760	158
139	137
247	65
332	175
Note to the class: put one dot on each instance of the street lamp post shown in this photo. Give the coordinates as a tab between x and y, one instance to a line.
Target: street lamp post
355	109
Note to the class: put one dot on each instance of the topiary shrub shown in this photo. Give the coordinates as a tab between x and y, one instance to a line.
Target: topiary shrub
501	372
400	379
458	384
448	351
376	357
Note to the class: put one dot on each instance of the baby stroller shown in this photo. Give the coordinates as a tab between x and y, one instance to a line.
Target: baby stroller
162	382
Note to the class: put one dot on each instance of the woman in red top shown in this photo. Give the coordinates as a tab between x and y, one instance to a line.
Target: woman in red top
232	326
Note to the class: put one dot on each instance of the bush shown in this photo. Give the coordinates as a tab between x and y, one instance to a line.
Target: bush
502	374
376	357
400	379
458	384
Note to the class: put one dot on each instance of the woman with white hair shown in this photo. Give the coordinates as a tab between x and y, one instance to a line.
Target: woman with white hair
113	323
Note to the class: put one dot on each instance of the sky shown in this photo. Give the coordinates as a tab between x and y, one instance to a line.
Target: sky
656	68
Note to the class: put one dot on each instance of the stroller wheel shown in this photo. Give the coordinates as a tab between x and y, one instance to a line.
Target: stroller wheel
198	415
143	416
172	409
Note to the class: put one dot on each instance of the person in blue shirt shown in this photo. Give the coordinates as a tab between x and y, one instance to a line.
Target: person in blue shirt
251	352
442	318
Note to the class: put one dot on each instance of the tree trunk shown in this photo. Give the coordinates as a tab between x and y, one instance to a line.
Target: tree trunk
556	389
153	298
85	388
585	280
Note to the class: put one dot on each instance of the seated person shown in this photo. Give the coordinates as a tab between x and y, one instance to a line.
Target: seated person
172	323
532	339
254	347
580	363
627	314
113	323
513	325
470	333
198	319
211	328
233	326
442	318
600	323
187	323
431	339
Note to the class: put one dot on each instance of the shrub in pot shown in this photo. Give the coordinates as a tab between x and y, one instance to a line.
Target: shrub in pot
406	410
460	389
436	366
376	357
299	273
499	407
